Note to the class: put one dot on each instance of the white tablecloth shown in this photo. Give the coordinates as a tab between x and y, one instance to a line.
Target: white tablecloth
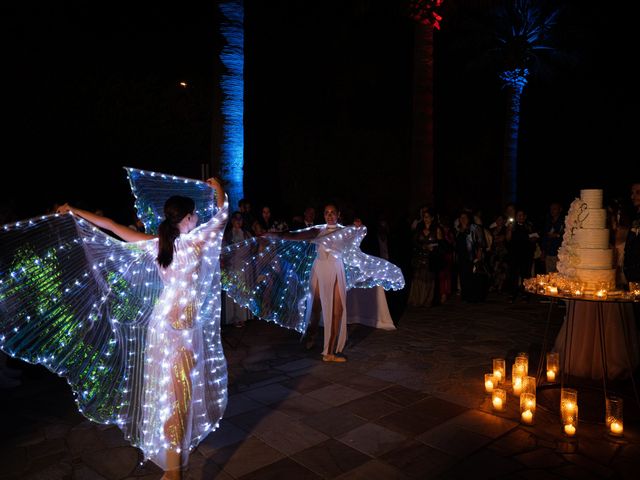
584	358
368	306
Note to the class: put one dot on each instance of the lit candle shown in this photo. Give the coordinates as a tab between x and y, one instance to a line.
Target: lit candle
517	385
552	289
616	428
551	376
569	407
527	417
570	430
499	399
488	382
497	375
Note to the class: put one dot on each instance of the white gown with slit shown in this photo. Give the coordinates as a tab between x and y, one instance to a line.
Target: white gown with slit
327	270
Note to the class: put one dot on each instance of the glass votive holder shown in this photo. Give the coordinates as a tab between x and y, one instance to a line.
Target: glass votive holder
602	291
529	384
499	371
552	290
522	364
553	366
568	401
614	420
527	408
570	422
634	290
489	382
516	381
499	399
577	289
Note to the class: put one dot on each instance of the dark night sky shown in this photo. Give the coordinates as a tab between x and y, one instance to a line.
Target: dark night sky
328	104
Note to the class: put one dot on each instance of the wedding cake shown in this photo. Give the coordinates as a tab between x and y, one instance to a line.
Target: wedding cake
585	255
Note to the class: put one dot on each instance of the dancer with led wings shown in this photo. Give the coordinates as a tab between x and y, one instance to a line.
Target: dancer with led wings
133	327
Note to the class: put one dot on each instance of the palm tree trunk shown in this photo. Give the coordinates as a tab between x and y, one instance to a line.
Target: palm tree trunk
232	84
422	165
510	159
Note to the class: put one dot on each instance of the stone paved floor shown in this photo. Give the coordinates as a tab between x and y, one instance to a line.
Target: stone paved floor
408	404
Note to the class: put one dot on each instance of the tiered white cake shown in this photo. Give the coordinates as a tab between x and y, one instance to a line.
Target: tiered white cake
585	255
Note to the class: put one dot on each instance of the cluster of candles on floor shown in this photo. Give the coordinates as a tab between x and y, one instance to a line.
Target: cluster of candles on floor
524	387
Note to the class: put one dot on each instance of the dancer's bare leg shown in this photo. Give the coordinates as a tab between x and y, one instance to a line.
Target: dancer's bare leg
336	318
175	427
312	329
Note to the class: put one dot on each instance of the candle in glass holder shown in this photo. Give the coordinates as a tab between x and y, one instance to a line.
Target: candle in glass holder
527	408
634	290
499	371
601	291
553	366
516	382
577	289
552	290
614	418
528	385
499	399
522	364
488	382
569	410
570	419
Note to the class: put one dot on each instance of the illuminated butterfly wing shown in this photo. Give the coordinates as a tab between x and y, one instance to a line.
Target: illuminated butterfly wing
152	189
361	270
271	277
77	301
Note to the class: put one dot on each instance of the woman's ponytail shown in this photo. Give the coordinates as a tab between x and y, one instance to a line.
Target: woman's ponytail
175	209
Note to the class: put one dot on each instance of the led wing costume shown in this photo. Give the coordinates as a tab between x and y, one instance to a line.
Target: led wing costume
273	277
139	345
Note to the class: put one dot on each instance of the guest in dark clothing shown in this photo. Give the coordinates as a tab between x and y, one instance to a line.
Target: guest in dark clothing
631	265
469	250
552	237
521	242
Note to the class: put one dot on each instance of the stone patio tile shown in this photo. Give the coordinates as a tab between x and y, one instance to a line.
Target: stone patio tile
453	440
296	365
371	406
335	394
282	469
372	439
302	406
113	437
393	371
537	474
56	430
270	394
306	383
597	449
84	439
439	408
483	423
47	448
247	457
261	419
113	463
516	441
82	472
226	434
330	458
575	472
540	458
484	465
365	383
419	461
240	403
291	437
373	470
201	468
334	421
411	420
594	467
626	468
402	395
